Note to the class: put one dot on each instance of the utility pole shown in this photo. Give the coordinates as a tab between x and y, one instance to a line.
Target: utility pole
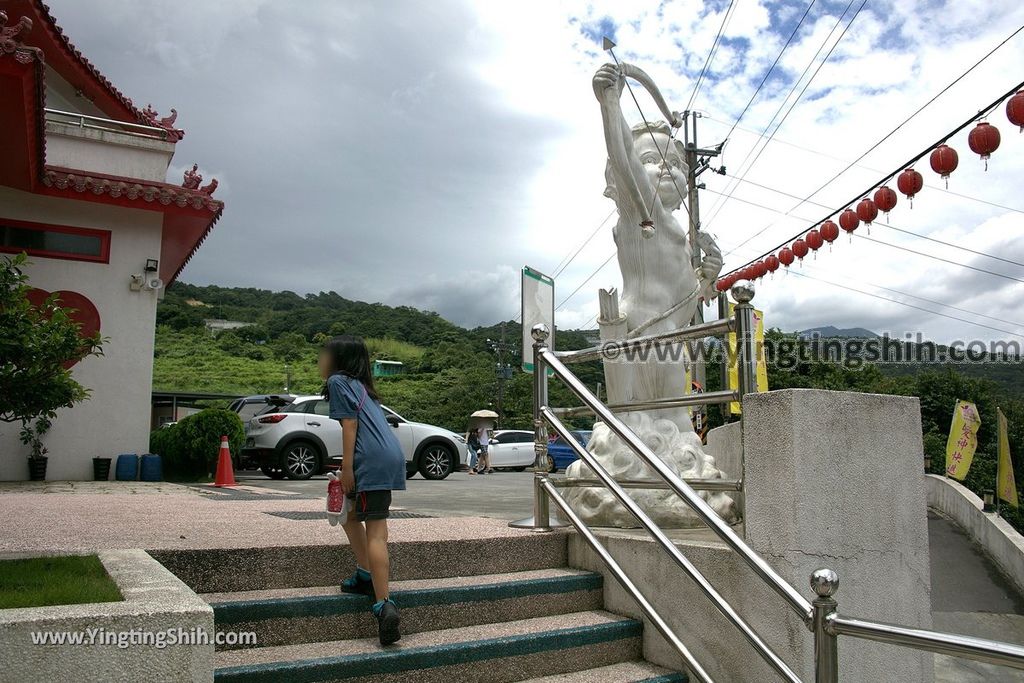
503	370
697	161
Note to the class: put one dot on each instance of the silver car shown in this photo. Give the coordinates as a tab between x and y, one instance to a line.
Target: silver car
299	440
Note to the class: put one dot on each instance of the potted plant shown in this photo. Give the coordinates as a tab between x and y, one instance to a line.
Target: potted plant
39	342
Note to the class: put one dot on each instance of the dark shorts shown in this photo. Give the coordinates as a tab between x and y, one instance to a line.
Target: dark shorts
370	505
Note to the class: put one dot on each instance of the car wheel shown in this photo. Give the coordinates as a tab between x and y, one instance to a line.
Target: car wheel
410	471
552	467
301	460
273	472
436	462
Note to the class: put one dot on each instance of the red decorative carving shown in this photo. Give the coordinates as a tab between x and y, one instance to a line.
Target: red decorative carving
10	39
192	178
167	122
162	193
210	188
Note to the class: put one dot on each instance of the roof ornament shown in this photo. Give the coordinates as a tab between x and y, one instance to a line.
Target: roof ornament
10	38
209	188
192	178
167	123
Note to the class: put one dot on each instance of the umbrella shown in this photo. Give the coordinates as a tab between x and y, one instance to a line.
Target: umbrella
485	413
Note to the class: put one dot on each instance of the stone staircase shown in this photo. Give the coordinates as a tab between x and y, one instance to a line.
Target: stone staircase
528	618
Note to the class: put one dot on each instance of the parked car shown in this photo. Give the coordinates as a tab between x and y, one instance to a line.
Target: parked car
562	455
299	440
249	407
512	449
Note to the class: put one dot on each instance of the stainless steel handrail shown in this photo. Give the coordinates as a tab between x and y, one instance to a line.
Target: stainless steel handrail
709	398
695	484
677	556
794	599
694	667
714	327
114	125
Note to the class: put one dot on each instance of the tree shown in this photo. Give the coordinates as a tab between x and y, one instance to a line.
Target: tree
37	346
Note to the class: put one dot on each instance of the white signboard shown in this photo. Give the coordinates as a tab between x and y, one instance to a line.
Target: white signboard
538	307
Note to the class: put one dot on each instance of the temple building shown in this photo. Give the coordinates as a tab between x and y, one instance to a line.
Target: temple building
84	191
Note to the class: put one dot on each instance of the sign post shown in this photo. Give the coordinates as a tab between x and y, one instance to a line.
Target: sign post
538	292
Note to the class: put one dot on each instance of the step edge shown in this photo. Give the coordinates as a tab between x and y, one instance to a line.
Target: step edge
433	656
240	611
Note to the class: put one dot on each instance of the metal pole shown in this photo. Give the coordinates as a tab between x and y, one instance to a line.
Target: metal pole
541	520
746	356
723	313
825	583
698	371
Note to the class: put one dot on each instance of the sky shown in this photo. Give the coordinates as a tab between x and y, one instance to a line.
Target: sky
421	153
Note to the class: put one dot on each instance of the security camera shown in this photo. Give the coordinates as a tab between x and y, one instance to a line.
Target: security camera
137	282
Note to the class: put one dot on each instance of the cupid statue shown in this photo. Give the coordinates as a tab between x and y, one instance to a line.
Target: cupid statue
646	178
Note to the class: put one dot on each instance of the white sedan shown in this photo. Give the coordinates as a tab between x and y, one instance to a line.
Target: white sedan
512	449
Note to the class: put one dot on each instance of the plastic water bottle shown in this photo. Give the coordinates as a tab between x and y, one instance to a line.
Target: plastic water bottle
335	499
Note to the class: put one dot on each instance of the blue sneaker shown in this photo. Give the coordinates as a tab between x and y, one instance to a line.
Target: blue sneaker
386	612
360	583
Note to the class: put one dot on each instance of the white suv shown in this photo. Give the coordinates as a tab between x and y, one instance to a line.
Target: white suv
300	440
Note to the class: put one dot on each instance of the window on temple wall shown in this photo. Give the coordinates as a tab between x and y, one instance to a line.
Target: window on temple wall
55	241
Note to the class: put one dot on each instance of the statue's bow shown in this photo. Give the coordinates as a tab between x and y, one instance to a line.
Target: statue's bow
641	77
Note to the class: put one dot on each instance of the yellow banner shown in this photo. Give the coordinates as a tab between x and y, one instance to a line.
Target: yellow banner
733	356
963	439
1005	484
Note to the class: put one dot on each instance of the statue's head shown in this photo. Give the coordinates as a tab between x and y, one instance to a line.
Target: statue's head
666	180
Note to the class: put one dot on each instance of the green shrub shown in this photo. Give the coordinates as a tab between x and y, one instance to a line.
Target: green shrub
190	448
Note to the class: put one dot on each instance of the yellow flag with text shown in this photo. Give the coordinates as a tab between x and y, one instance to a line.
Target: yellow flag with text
1005	484
963	439
732	357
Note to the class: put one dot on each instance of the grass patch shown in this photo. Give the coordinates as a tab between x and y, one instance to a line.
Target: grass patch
40	581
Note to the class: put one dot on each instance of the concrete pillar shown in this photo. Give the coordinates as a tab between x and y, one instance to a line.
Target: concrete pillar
836	479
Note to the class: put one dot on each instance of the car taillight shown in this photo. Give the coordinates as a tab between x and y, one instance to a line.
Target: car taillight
272	419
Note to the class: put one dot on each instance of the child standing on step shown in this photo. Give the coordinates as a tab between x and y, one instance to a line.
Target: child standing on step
373	466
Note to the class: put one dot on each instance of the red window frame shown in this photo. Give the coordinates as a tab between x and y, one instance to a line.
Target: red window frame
103	235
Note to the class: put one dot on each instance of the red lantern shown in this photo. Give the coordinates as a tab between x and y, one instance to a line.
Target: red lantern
800	249
910	183
722	284
786	256
772	263
760	269
814	241
848	221
885	199
984	140
1015	109
868	212
944	161
829	232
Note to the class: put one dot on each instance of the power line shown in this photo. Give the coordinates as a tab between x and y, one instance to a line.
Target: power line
562	266
930	186
904	303
718	205
907	164
938	258
711	53
770	69
582	284
876	222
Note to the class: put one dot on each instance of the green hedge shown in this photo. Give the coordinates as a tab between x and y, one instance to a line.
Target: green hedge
190	448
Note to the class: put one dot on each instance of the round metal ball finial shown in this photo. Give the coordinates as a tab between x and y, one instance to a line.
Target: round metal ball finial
540	332
825	583
743	291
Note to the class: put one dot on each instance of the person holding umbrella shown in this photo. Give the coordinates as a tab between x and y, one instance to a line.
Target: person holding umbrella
481	424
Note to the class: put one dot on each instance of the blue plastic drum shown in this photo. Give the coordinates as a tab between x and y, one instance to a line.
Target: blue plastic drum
127	467
151	468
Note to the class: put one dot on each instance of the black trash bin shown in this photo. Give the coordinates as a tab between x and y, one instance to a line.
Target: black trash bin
101	469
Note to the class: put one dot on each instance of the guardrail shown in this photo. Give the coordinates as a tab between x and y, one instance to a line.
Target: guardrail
820	616
98	123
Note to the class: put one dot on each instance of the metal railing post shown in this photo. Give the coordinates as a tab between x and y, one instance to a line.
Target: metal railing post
723	313
825	583
746	348
541	520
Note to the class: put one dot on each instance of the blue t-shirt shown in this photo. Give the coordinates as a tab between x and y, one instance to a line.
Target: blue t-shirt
379	462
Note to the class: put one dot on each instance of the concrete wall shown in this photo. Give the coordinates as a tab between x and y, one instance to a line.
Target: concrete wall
1000	541
154	601
116	418
108	152
725	444
833	479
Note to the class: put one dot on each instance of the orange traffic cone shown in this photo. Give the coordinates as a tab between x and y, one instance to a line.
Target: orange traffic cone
225	470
